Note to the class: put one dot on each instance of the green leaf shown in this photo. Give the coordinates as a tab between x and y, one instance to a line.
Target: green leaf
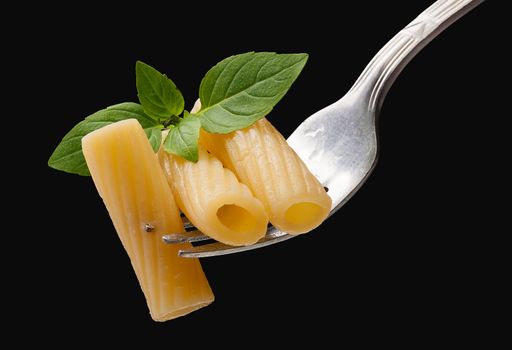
244	88
154	135
183	138
158	94
68	155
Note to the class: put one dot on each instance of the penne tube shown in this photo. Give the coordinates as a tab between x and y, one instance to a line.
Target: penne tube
261	158
133	187
214	200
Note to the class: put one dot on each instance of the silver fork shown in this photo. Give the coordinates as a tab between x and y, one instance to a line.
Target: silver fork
339	142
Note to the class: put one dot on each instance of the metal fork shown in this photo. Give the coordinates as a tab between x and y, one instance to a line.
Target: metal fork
339	142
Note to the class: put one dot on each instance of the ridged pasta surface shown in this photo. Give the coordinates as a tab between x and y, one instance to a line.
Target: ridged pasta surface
214	200
133	187
261	158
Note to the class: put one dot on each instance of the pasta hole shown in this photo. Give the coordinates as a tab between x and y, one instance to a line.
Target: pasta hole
303	213
236	218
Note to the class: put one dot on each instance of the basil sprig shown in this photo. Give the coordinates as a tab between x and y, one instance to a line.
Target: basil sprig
234	94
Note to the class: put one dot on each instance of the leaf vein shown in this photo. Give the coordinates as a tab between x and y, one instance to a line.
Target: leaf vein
236	75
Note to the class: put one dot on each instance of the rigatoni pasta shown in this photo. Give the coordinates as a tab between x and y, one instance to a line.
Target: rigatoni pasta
214	200
229	186
128	177
260	157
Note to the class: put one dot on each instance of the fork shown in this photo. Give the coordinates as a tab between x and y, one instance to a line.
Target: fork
339	143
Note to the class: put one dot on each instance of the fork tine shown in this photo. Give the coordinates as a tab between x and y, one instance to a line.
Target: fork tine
192	236
186	223
188	226
217	248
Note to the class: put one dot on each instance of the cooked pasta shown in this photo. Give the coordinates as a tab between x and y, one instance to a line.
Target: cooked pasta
260	157
128	177
214	200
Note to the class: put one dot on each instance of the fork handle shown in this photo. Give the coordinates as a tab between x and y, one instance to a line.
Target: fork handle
381	72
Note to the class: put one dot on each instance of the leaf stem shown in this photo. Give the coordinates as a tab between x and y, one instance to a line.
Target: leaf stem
173	120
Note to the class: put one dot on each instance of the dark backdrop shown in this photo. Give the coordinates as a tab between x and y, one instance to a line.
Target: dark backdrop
392	261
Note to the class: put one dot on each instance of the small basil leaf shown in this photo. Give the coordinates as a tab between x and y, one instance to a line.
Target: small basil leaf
243	88
154	135
68	155
183	138
157	93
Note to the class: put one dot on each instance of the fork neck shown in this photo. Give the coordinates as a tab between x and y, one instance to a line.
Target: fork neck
378	76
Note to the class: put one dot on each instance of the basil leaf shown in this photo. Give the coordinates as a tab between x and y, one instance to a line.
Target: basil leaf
243	88
154	135
68	155
158	94
183	138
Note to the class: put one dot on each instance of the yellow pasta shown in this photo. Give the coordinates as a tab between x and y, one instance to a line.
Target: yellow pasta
260	157
128	177
214	200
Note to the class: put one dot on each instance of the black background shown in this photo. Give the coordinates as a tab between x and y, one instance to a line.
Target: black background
394	259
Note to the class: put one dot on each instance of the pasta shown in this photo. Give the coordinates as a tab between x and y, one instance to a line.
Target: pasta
260	157
214	200
128	177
